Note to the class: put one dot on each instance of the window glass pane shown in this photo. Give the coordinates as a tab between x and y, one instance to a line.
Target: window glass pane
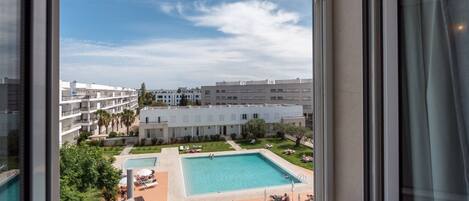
9	99
434	96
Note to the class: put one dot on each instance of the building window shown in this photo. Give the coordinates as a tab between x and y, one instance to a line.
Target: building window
272	90
218	91
273	98
244	116
255	115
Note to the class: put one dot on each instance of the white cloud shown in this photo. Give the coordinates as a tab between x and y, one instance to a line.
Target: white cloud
261	41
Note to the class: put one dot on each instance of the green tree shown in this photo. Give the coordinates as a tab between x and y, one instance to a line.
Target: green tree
86	172
107	121
102	118
183	101
128	118
145	98
298	132
114	121
280	129
257	128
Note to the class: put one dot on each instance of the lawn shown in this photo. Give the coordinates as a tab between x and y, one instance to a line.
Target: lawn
206	147
112	151
278	147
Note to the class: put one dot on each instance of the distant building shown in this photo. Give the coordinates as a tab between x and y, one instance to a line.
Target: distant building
173	97
294	91
176	122
79	103
9	114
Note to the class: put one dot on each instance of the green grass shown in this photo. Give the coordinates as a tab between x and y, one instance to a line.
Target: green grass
206	147
278	147
112	151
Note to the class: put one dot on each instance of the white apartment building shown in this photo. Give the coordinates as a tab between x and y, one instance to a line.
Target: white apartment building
176	122
173	97
80	101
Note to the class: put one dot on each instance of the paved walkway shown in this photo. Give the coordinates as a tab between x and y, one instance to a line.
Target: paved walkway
233	144
126	150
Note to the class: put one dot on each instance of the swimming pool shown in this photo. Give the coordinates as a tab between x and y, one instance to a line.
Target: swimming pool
232	172
11	190
139	163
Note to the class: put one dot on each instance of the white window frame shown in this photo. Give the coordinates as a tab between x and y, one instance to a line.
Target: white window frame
323	99
391	100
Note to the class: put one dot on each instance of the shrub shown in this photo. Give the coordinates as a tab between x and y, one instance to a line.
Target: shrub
160	141
112	134
187	138
244	135
281	135
233	136
83	136
154	141
142	142
94	143
123	141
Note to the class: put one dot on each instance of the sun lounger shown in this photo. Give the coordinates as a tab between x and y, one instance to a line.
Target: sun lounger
268	146
253	141
140	198
181	148
149	185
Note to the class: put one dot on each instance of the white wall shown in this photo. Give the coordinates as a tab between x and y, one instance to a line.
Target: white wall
219	115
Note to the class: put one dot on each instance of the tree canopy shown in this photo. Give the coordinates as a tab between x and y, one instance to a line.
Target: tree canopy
256	128
128	117
85	173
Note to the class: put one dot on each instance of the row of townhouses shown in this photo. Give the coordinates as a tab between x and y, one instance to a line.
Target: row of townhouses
165	123
80	101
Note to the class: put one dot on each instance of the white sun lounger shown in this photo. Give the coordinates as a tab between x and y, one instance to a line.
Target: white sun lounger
148	185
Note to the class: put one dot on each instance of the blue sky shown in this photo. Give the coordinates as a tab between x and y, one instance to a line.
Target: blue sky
171	43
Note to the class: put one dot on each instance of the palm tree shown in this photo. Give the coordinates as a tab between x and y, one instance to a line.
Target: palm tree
119	119
107	121
128	118
114	121
101	119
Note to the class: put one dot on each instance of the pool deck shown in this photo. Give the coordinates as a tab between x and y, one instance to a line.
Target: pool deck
169	161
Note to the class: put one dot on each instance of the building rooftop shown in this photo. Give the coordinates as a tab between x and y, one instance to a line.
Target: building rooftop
219	106
65	84
267	81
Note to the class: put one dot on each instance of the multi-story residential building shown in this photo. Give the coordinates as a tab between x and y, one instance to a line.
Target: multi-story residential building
294	91
173	97
79	103
176	122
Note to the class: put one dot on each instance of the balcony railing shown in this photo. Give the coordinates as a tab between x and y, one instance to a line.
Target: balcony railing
69	127
70	112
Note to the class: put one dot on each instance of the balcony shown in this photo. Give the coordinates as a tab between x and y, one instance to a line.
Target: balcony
70	112
70	127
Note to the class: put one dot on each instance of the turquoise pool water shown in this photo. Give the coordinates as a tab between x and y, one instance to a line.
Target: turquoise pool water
233	172
11	190
138	163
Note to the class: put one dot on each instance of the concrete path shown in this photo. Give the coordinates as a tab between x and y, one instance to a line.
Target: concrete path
233	144
171	163
126	150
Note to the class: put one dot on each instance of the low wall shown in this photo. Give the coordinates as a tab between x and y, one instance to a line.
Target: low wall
120	141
